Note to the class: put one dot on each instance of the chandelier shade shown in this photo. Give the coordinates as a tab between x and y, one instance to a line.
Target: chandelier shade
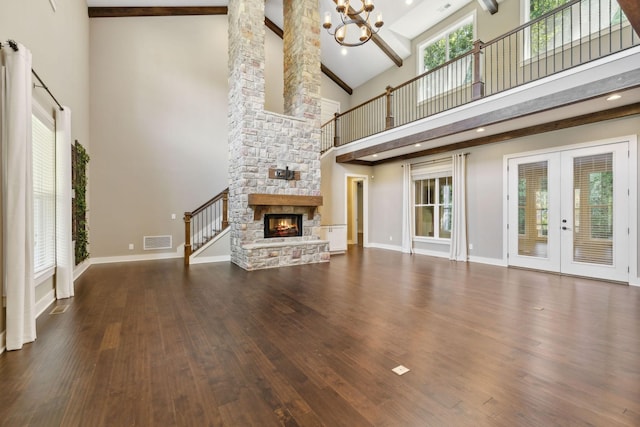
354	27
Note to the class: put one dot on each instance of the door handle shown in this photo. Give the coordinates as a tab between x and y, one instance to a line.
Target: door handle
565	228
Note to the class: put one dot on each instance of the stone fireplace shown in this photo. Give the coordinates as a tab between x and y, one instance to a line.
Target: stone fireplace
274	158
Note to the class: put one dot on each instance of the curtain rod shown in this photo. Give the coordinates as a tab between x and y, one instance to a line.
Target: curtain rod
441	159
14	46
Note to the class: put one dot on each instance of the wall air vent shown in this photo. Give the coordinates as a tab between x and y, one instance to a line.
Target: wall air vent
157	242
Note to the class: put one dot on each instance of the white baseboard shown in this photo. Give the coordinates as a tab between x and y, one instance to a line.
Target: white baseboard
45	302
134	258
3	342
634	283
81	268
383	246
427	252
209	259
489	261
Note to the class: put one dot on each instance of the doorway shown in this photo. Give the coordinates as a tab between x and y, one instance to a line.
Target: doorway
568	211
356	210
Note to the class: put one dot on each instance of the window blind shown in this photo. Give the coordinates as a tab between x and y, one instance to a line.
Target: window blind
44	202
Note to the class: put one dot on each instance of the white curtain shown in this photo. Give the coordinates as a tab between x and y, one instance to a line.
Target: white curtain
458	250
64	244
407	210
17	197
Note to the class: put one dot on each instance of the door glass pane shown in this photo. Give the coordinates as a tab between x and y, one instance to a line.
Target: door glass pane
532	209
593	209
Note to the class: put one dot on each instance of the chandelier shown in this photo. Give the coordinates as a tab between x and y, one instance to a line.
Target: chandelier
350	17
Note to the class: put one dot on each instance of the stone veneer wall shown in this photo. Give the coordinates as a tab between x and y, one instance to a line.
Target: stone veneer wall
260	140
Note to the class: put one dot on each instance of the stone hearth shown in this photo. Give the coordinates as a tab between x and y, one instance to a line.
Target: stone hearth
261	142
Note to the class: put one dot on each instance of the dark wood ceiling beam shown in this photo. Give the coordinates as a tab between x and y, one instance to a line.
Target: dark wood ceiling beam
386	49
327	72
585	119
337	80
631	8
491	5
123	12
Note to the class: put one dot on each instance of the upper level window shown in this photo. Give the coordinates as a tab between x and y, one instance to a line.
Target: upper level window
579	21
455	41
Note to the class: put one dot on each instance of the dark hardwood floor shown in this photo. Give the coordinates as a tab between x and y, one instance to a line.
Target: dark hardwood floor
150	344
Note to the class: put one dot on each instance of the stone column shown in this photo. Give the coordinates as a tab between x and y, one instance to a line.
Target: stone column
302	76
246	112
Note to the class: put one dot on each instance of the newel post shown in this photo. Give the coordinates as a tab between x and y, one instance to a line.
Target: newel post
389	122
225	204
336	130
187	238
478	84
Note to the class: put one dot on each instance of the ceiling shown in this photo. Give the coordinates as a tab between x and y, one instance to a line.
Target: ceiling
404	20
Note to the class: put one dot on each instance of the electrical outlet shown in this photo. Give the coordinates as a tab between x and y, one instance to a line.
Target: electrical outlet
470	246
390	238
173	216
130	246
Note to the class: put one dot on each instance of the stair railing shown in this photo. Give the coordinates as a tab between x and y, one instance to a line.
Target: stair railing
205	223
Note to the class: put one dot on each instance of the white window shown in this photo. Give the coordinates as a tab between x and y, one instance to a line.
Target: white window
452	43
44	190
433	200
581	20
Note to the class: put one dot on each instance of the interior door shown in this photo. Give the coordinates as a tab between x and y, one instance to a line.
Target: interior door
568	212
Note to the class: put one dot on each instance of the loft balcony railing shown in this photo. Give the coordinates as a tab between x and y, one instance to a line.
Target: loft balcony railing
576	33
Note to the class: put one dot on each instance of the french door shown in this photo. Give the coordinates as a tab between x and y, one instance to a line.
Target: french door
568	211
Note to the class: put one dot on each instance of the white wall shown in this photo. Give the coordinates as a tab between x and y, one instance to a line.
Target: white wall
158	126
59	43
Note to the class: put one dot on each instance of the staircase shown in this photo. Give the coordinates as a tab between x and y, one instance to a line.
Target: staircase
205	223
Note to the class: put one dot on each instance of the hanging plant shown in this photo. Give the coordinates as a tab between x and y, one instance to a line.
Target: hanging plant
80	158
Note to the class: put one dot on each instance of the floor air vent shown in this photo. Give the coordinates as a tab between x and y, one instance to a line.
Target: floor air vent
59	309
157	242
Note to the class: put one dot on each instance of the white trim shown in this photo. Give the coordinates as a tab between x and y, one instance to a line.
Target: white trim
134	258
633	211
210	259
365	204
44	275
44	302
81	268
3	342
432	240
386	247
435	254
489	261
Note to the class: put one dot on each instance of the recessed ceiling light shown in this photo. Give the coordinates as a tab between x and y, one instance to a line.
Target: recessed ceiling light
480	130
614	97
408	1
344	51
418	145
375	155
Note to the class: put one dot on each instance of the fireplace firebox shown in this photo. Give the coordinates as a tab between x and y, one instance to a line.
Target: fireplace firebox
282	225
